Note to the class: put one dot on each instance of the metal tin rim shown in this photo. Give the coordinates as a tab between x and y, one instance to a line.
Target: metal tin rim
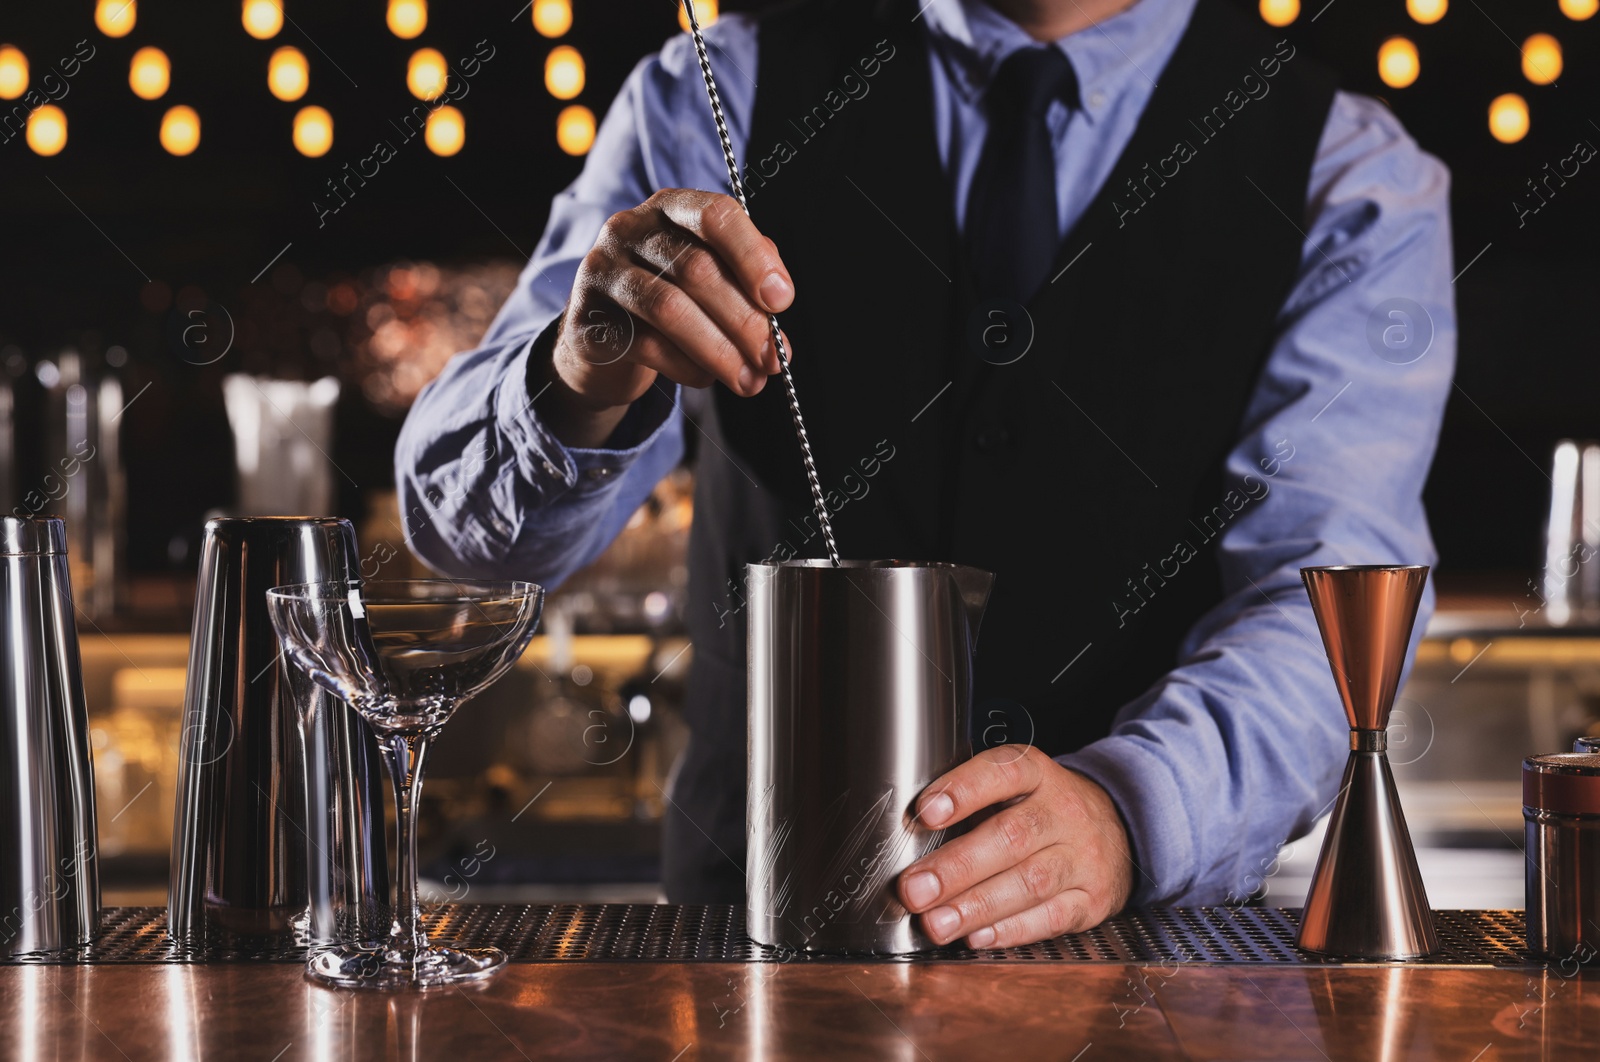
1562	782
824	563
245	521
32	536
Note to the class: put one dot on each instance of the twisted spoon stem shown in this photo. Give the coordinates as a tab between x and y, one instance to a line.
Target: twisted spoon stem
772	319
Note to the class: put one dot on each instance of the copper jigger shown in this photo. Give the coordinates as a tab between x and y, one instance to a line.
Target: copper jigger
1366	899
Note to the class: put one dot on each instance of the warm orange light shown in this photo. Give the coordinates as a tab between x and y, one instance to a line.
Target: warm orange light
149	74
1427	12
115	18
552	18
407	18
426	74
13	72
180	130
1541	59
262	18
1398	65
1508	118
575	130
288	74
313	132
446	131
563	72
1578	10
47	130
1279	12
705	11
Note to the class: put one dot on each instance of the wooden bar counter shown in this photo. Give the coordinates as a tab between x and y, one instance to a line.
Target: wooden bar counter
1068	1010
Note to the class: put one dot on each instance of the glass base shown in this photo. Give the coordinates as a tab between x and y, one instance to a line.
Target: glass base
376	966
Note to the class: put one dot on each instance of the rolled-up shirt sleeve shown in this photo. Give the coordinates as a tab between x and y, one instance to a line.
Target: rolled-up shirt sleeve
485	489
1240	748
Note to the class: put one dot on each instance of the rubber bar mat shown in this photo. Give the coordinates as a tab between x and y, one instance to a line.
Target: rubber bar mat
677	933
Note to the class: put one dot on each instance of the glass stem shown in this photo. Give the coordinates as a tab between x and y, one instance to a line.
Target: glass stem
404	754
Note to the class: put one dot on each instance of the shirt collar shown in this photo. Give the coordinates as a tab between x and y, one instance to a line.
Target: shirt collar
973	39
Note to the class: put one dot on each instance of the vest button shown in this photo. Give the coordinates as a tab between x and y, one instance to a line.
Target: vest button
992	437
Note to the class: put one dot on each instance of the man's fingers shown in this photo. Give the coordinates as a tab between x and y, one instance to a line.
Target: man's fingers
1004	841
690	271
1066	912
1052	858
718	220
1008	893
990	777
654	351
677	256
661	304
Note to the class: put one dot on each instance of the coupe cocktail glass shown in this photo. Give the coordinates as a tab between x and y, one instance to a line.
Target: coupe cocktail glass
405	654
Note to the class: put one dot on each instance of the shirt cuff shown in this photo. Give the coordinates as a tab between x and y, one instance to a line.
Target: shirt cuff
1146	793
544	461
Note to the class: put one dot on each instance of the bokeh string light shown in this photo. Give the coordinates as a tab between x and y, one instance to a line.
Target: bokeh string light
1279	12
1398	64
115	18
313	132
1508	118
47	130
575	130
564	73
150	73
427	73
1427	12
288	74
552	18
262	19
13	72
446	131
1541	59
407	18
180	130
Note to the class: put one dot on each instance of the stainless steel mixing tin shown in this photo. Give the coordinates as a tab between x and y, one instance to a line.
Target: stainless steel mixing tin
49	884
860	695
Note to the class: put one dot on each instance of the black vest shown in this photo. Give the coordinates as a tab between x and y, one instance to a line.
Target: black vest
1086	472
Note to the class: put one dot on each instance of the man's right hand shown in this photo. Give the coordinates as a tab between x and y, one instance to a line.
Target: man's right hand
681	286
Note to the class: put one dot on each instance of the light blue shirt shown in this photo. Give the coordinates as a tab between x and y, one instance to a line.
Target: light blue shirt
1240	747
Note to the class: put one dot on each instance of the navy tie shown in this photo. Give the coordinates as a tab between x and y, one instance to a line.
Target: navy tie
1012	230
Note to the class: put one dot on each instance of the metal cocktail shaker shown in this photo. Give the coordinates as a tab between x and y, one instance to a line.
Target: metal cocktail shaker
280	800
49	882
860	696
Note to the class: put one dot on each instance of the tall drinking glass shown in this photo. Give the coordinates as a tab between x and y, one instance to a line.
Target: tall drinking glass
405	654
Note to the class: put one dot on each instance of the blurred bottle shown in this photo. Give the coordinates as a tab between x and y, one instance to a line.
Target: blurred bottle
81	478
1572	536
282	433
8	431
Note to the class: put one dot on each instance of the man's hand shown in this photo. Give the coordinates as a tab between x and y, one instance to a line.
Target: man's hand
679	286
1054	859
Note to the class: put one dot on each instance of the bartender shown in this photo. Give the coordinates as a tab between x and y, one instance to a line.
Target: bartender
1122	301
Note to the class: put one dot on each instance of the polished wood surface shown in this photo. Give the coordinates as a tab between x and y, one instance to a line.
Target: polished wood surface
899	1012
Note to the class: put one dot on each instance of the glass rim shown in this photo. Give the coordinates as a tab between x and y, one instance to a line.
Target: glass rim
371	591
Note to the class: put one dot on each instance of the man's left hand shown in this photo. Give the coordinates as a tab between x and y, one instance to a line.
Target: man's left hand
1054	859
